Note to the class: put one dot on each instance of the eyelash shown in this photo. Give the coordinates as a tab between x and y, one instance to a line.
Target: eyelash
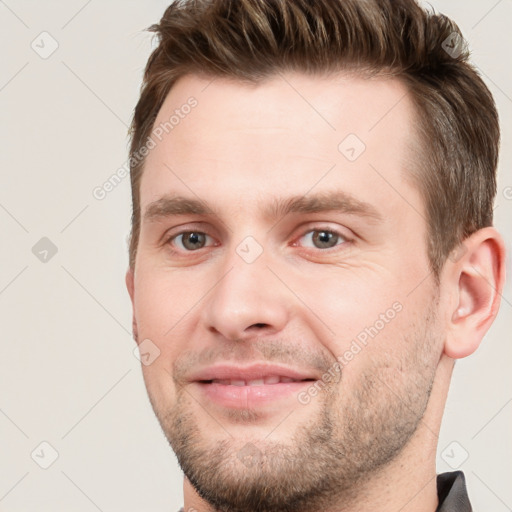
345	240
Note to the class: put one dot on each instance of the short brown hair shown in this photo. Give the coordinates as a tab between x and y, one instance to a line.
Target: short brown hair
251	40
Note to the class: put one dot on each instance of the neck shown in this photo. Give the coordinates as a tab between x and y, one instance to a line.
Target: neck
406	484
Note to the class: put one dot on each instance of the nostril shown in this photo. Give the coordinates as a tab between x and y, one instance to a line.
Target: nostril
260	325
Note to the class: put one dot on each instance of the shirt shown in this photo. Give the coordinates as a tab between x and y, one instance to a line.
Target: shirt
451	492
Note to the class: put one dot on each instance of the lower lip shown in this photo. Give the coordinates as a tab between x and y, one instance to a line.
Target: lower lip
245	397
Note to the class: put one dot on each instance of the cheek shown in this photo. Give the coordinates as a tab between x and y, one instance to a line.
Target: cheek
163	307
348	307
369	322
163	301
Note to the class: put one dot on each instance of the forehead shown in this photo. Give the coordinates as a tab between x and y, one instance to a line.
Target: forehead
283	134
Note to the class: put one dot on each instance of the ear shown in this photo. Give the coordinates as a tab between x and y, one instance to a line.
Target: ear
475	276
130	285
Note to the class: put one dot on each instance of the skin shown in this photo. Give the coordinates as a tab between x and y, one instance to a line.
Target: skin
367	441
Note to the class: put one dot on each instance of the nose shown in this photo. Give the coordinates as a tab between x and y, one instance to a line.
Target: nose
246	300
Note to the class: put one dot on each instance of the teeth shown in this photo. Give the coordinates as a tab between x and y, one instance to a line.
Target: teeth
273	379
256	382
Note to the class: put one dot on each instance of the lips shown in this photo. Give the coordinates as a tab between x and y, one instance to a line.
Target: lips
254	386
269	379
256	374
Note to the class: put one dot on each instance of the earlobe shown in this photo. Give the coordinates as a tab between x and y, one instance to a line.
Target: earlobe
130	285
476	280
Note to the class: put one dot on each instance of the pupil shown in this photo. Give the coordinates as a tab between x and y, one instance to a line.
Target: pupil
192	240
324	238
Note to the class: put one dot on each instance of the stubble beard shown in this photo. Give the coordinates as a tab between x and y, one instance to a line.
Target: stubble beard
355	433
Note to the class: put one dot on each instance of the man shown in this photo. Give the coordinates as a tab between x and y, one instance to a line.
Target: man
312	248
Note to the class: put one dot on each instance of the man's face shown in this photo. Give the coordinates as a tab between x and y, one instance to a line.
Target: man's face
280	242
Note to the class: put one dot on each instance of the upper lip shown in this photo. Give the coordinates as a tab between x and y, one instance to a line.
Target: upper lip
250	372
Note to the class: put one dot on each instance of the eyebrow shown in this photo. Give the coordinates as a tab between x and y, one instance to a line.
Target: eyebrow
277	208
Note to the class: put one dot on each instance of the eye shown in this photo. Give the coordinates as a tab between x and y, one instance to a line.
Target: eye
190	240
322	239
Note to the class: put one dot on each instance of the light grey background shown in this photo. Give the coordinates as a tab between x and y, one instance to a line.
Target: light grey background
68	375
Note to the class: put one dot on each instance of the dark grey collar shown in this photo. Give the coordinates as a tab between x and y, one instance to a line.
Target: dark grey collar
452	493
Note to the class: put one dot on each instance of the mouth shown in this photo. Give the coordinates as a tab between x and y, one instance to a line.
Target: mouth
255	386
269	380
